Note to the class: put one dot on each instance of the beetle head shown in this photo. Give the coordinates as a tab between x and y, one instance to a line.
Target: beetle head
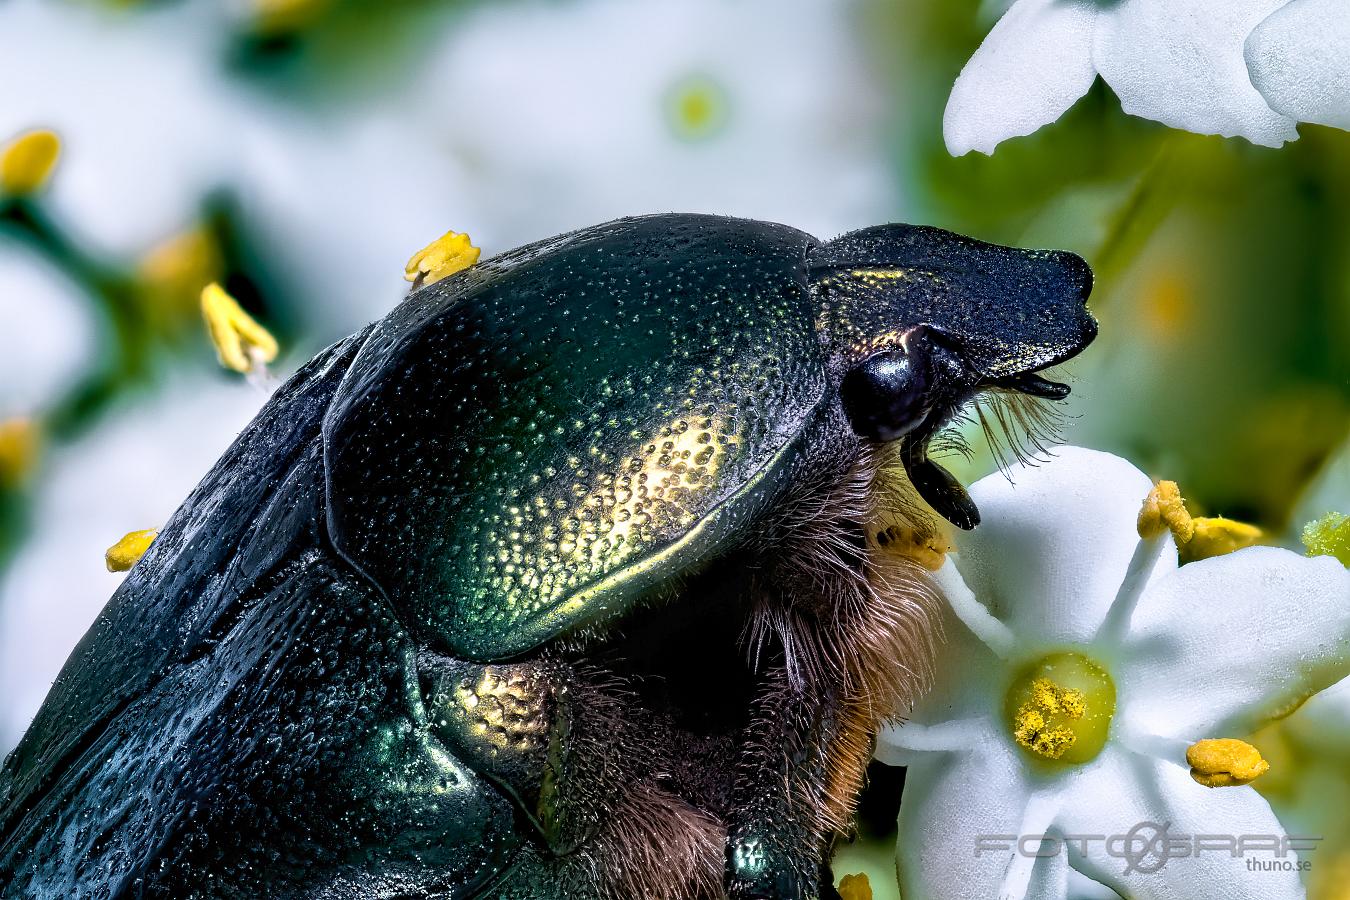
918	320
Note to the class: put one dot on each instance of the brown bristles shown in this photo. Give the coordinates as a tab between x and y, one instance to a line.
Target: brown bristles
1017	426
854	621
654	844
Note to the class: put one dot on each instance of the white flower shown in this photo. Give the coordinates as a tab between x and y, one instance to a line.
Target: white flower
46	340
1299	59
1179	62
740	107
1070	636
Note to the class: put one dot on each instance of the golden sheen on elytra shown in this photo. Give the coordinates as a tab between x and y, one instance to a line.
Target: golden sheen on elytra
1059	708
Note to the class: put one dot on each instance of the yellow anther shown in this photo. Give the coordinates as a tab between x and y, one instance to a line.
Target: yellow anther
1073	704
927	549
1033	732
1196	538
1052	720
27	161
241	343
1027	723
1164	509
1329	536
855	887
20	444
443	257
1053	743
124	554
1225	762
1045	695
1217	536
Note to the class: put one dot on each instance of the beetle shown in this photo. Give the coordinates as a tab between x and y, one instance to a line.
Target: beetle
564	579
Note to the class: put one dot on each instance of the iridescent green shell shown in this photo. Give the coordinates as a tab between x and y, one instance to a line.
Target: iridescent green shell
524	447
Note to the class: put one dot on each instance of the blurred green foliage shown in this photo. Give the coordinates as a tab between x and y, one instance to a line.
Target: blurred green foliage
1223	277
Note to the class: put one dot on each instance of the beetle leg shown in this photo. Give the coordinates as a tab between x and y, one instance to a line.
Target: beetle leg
775	840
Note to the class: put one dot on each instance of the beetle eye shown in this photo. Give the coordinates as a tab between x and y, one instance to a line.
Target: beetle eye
887	394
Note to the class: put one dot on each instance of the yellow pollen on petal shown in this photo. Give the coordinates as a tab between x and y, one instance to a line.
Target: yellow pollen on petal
1225	762
124	554
1060	708
20	446
443	257
241	343
1164	509
1217	536
855	887
27	161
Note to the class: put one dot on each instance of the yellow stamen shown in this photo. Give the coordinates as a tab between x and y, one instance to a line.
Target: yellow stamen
20	445
1225	762
1060	707
1164	509
1217	536
27	161
443	257
1196	538
855	887
174	272
1329	536
241	343
124	554
928	549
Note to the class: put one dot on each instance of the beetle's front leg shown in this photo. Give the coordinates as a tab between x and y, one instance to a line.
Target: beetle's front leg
776	838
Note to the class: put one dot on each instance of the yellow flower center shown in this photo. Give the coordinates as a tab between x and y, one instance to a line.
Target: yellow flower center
1060	708
697	107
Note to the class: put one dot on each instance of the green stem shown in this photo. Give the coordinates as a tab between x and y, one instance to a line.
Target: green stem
114	296
1153	196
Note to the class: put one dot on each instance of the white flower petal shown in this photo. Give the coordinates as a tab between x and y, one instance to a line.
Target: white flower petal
950	801
1299	59
963	705
1031	67
1220	646
1050	879
1055	543
1081	887
1180	62
1122	792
